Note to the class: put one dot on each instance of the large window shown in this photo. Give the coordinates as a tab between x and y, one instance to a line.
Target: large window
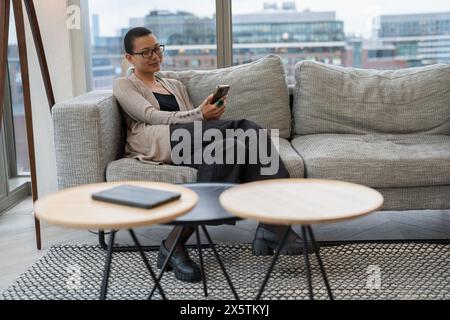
186	28
379	34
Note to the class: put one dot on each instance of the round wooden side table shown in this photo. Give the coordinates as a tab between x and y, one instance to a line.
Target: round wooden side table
300	202
74	208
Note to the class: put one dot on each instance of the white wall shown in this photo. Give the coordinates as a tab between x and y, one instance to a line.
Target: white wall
56	37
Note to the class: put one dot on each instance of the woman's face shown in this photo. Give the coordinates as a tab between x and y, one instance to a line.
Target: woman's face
151	64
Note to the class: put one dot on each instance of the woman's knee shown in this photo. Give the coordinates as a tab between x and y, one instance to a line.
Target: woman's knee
248	124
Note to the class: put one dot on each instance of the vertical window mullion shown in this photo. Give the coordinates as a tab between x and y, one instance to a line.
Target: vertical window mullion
3	171
4	153
81	50
224	33
10	143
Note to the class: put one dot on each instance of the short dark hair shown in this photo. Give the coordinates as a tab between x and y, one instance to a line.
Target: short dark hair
132	34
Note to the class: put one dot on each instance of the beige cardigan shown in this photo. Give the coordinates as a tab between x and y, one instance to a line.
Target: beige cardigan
148	134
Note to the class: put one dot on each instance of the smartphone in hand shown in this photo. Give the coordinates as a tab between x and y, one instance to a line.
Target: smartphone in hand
221	91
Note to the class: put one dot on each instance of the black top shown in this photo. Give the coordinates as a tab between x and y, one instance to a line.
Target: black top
208	210
167	102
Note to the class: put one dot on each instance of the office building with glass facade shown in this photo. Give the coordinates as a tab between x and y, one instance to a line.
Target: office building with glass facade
293	35
371	54
420	39
191	41
400	40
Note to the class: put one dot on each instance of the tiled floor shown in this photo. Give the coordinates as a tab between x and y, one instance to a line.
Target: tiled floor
18	250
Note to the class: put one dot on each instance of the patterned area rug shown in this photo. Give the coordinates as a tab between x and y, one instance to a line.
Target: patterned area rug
356	271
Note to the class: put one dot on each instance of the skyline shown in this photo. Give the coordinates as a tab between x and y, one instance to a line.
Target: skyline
357	15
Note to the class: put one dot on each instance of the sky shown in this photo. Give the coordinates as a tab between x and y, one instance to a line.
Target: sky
356	14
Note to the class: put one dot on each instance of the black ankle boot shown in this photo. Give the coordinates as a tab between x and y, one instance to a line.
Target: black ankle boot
185	269
267	241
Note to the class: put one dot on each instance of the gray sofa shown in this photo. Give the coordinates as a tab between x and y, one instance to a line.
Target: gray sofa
389	130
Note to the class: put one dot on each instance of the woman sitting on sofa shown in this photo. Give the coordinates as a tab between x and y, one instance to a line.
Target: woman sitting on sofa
154	109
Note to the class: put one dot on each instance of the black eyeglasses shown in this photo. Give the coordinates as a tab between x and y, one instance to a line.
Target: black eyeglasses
147	53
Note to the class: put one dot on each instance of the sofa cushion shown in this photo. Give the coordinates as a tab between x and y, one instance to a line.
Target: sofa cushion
416	198
377	160
258	91
331	99
132	169
291	159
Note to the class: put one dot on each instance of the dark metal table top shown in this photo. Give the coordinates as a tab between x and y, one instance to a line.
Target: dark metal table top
208	210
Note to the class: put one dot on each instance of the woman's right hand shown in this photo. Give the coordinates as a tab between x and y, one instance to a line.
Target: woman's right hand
211	111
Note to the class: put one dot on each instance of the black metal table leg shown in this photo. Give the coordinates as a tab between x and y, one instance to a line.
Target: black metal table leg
272	265
216	254
319	260
147	264
107	270
202	270
308	270
166	262
307	264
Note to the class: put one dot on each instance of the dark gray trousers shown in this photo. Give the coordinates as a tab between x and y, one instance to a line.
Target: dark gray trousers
226	172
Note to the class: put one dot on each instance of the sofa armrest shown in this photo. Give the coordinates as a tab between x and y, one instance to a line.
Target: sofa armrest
89	133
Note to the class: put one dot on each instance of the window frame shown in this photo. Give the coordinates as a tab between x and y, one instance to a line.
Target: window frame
224	21
8	157
4	183
8	125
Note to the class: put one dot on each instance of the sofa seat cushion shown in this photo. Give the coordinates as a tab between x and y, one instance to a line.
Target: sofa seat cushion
291	159
258	91
132	169
377	160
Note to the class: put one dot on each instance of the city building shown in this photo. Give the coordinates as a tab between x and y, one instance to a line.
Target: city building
191	41
399	40
371	54
420	39
106	56
293	35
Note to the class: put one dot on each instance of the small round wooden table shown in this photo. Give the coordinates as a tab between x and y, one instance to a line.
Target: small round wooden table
74	208
300	202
